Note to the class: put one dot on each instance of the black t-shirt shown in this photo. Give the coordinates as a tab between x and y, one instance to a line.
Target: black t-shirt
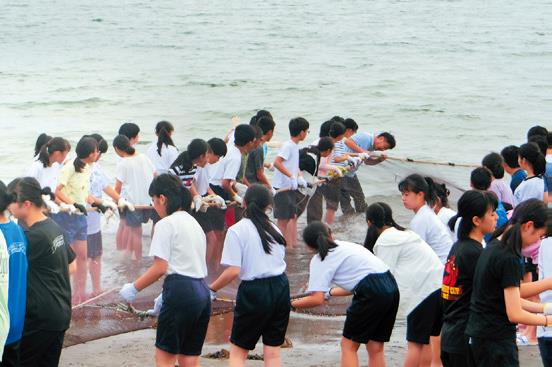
48	285
255	161
498	268
456	293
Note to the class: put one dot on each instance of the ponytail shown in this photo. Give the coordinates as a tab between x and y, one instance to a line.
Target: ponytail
378	215
318	237
122	143
472	203
163	130
26	189
178	197
257	199
40	142
86	146
533	155
56	144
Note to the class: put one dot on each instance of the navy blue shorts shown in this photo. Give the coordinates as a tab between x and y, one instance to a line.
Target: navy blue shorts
137	218
285	204
184	317
203	219
94	245
371	315
262	309
425	320
74	226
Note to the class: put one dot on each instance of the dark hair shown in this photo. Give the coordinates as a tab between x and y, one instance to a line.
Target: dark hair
243	135
129	129
350	124
217	146
389	138
416	183
102	144
537	130
510	155
86	146
493	161
297	125
317	236
534	210
337	129
481	178
442	193
56	144
258	132
264	113
338	119
178	196
197	148
325	129
122	143
257	199
183	161
381	215
266	124
24	189
5	197
533	155
40	142
163	130
541	141
473	203
324	144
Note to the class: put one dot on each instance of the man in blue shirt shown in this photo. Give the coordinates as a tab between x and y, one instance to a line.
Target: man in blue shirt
511	166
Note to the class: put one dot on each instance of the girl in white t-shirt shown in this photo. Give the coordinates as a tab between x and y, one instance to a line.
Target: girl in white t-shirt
441	207
355	270
419	274
134	174
178	247
254	250
532	161
49	161
417	192
163	152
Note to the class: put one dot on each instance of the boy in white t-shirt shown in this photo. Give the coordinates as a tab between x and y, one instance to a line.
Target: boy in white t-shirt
287	178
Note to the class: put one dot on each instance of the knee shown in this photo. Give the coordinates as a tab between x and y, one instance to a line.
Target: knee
374	347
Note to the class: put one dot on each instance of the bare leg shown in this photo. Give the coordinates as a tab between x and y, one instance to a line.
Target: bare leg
135	240
237	356
349	357
283	226
272	356
330	216
79	279
121	244
188	361
164	359
425	359
376	356
413	355
435	343
292	231
95	267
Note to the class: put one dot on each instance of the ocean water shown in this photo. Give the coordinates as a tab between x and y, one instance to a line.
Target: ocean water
452	80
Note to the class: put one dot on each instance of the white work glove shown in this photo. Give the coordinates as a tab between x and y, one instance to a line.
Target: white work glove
270	167
301	182
240	189
123	203
548	308
327	295
110	205
68	208
198	203
128	292
364	156
219	202
52	207
293	183
213	294
354	161
238	199
273	190
157	303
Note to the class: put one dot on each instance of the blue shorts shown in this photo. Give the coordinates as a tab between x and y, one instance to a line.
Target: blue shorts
184	317
74	226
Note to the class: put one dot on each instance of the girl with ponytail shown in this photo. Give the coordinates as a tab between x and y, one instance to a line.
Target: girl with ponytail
49	162
441	206
496	305
534	163
417	194
418	272
477	217
73	191
163	152
254	250
47	307
178	248
355	270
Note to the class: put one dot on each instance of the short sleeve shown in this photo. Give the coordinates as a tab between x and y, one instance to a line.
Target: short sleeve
231	169
285	151
510	271
232	251
172	154
34	249
103	179
66	173
320	275
120	171
161	242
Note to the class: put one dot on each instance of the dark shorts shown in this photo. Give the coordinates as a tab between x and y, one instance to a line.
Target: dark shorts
41	348
184	317
10	358
457	359
262	309
371	315
494	353
94	246
529	267
545	347
136	218
285	204
203	219
217	218
330	191
220	192
74	226
425	320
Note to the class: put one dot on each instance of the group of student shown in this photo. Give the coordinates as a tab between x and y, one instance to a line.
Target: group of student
460	291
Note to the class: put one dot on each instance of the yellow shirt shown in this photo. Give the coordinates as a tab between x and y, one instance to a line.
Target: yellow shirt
76	185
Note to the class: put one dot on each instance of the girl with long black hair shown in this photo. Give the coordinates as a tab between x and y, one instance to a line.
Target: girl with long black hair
163	152
49	162
534	163
254	250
